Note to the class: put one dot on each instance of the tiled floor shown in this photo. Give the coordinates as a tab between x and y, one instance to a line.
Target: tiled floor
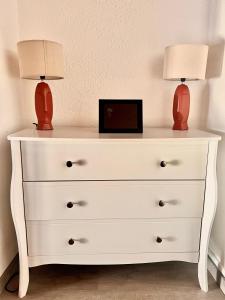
159	281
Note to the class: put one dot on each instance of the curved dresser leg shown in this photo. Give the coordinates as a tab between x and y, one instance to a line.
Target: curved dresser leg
208	215
17	207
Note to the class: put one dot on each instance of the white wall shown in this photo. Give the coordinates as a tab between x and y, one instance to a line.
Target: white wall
10	120
216	121
114	49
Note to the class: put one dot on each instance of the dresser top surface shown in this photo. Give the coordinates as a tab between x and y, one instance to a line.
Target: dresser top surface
91	133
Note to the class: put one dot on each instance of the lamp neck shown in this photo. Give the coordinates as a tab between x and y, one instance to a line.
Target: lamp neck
42	78
183	80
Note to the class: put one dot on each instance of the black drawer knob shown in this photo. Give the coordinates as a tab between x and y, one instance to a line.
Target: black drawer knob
158	240
163	164
78	203
79	162
71	242
69	164
69	204
161	203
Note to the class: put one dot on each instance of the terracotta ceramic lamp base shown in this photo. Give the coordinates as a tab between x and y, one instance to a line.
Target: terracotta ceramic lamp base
181	107
43	106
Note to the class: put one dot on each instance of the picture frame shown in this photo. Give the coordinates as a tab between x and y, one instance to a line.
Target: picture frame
120	116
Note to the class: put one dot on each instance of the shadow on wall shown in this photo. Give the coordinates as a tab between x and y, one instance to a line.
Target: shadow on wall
11	120
215	60
202	122
12	64
12	74
156	67
213	70
221	187
216	243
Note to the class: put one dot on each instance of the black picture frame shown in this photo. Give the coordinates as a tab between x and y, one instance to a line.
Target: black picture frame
130	118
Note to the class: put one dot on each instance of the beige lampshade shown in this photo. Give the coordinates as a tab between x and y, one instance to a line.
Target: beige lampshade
40	58
185	61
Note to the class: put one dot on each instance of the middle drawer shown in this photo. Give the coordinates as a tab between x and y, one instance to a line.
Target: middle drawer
113	199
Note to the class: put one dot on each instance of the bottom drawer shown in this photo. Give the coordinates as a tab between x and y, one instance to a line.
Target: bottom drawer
117	236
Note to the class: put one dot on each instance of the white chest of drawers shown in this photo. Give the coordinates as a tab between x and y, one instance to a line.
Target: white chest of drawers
79	197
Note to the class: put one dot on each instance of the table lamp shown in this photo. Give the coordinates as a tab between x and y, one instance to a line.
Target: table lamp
41	60
184	62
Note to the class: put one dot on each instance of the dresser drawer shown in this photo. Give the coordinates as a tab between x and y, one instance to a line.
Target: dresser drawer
113	160
121	236
113	199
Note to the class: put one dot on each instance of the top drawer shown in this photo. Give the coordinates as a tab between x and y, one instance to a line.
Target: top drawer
123	160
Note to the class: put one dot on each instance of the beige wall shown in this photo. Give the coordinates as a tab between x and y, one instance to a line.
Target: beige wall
114	49
10	120
216	121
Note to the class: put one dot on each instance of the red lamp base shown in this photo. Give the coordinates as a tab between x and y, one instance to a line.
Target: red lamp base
43	106
181	107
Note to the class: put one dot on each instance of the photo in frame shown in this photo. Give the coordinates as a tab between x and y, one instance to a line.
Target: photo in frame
120	116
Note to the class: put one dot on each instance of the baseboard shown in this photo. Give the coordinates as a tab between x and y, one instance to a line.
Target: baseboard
12	268
216	270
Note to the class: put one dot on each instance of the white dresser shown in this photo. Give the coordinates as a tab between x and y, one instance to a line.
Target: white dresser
80	197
